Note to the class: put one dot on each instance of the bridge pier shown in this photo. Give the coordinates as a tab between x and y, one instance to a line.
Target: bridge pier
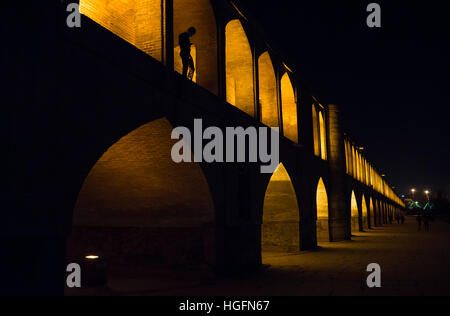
338	204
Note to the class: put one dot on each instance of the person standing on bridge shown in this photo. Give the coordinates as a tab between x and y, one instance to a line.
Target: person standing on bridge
185	53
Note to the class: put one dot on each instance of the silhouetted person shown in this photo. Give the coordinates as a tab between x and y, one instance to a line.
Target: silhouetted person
403	219
185	53
397	217
419	221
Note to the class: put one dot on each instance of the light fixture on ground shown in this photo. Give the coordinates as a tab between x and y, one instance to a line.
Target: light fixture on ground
93	271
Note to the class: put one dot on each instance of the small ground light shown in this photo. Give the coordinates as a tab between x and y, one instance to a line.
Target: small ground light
92	257
93	271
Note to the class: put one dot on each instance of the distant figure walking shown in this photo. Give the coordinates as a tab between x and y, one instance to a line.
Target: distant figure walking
185	53
397	217
419	221
426	222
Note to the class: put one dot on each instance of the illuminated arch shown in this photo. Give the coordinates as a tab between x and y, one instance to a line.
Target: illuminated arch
358	166
289	109
364	213
268	91
322	226
323	136
354	213
280	229
347	159
239	68
199	14
372	213
136	21
138	208
316	133
380	214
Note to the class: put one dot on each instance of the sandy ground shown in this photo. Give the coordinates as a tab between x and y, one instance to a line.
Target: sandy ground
412	263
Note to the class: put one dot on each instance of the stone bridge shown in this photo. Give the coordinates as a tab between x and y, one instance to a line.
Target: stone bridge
89	144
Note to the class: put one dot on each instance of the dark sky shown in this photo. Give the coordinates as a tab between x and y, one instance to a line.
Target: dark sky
392	83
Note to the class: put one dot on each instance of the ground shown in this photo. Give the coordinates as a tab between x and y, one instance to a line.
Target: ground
412	263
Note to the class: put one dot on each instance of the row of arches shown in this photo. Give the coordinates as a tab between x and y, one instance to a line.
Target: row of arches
139	209
248	74
361	170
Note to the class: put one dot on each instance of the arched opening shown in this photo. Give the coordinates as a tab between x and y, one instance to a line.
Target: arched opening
268	91
372	213
358	167
141	212
289	109
379	214
323	137
281	218
365	221
316	131
347	159
136	21
239	68
385	220
322	225
198	14
354	214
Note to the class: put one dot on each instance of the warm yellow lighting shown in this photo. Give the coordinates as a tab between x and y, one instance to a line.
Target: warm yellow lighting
199	14
322	200
323	135
316	131
287	68
354	205
92	257
413	190
239	68
322	225
136	21
354	213
372	212
268	91
178	64
427	192
289	109
133	185
364	212
280	229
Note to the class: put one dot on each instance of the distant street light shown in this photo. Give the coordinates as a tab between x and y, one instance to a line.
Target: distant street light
413	191
428	195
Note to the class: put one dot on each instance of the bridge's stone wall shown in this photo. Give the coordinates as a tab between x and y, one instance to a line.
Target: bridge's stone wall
85	89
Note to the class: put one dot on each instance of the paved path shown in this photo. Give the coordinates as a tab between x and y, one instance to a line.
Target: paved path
412	263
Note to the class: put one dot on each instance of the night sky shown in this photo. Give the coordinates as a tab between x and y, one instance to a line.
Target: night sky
392	83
